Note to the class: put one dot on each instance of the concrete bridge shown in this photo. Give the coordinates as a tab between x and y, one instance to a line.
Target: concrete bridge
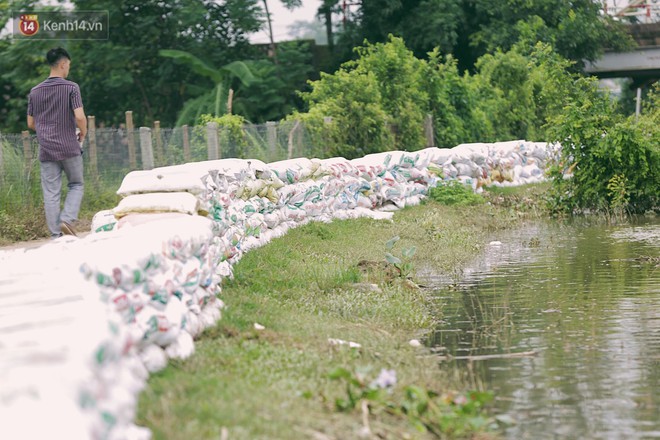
642	63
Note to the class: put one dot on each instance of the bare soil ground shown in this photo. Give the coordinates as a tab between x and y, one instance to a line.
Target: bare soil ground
82	228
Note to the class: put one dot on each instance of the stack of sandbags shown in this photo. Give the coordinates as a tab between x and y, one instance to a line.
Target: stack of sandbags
151	276
502	163
159	280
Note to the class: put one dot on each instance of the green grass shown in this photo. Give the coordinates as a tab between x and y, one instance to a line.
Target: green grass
528	199
304	288
453	192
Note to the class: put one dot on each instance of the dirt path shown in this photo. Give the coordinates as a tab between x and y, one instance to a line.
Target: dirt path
82	229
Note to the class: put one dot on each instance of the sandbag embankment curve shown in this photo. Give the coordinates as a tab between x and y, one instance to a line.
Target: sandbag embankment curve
84	321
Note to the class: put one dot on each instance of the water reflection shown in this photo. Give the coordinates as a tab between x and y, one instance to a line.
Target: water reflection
585	298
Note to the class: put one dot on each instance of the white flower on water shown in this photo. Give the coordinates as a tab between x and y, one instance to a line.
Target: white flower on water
386	379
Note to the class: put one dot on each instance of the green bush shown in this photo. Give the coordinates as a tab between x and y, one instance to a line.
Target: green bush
452	103
376	103
346	114
453	192
614	162
398	74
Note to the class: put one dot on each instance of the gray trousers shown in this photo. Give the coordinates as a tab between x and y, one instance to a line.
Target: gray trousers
51	185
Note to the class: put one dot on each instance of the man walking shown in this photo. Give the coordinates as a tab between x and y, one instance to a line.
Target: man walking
55	109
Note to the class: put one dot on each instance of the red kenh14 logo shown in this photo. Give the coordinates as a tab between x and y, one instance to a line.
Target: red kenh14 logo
28	24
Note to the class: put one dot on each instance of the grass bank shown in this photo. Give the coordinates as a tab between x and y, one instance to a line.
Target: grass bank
332	281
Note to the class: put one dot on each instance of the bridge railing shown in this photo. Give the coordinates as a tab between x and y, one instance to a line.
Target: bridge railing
644	10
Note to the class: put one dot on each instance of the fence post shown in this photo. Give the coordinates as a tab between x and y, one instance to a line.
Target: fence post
146	149
212	141
428	131
230	100
271	135
159	154
292	133
27	151
186	144
130	133
91	132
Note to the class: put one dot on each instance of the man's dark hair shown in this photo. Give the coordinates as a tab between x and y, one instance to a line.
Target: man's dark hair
54	56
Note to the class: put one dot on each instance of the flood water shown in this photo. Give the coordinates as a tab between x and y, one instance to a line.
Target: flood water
580	303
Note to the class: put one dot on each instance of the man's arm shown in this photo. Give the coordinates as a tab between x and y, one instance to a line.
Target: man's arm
81	122
30	122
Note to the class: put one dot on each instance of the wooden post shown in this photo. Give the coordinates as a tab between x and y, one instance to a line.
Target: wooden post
212	141
27	151
271	135
186	144
146	148
130	133
292	133
159	153
230	101
91	135
428	131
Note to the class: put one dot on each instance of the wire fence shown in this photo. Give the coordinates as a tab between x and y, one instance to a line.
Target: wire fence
111	153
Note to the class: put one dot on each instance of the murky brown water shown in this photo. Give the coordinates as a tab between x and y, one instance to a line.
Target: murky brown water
585	298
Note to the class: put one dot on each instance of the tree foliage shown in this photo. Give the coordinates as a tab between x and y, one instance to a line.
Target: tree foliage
214	101
346	112
512	95
469	29
274	92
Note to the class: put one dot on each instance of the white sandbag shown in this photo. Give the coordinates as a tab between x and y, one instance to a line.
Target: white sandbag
233	169
103	221
157	202
292	170
340	167
154	358
160	180
465	169
182	348
437	155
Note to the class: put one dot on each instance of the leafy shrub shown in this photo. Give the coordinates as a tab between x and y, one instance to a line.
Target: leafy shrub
614	162
453	192
398	75
346	114
452	102
376	103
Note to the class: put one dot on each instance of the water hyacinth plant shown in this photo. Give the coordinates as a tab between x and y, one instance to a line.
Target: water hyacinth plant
403	264
439	414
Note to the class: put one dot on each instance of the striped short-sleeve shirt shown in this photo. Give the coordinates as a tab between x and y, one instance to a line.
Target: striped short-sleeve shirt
51	104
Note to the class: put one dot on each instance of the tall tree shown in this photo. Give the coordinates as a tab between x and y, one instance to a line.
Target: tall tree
290	4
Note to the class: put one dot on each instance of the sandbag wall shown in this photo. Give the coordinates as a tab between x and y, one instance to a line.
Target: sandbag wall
158	257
